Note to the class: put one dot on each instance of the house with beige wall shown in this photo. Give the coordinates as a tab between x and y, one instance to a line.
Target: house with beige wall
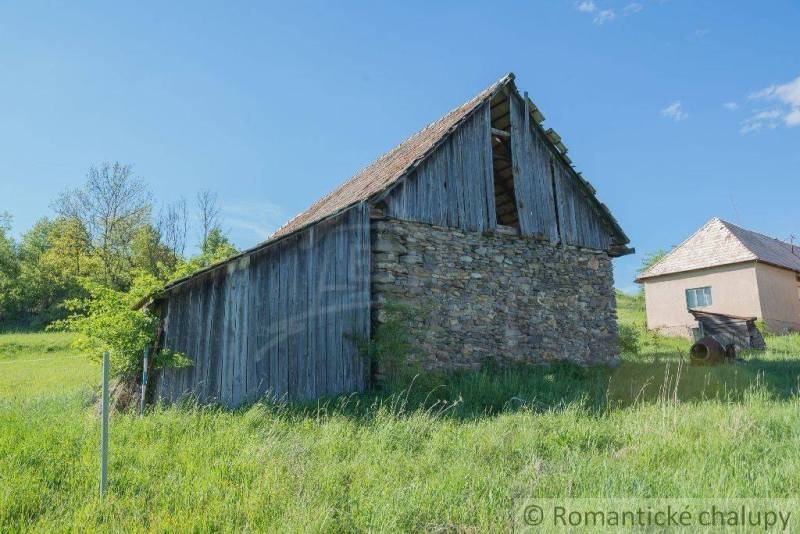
723	268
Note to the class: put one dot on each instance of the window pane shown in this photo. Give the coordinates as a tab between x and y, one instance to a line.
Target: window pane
691	300
707	292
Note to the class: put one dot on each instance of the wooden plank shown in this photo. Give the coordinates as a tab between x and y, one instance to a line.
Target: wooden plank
320	323
329	310
532	177
450	187
263	340
488	173
204	393
295	320
311	319
253	324
197	355
366	293
340	283
282	376
229	339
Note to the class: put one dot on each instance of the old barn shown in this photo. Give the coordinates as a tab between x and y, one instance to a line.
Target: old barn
478	222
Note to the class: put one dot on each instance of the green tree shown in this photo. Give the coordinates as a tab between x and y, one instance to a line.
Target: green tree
149	254
9	270
71	251
217	247
43	280
112	205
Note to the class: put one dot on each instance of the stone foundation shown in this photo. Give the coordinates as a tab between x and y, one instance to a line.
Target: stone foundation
479	297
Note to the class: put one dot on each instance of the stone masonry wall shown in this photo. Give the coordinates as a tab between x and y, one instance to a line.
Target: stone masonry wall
496	296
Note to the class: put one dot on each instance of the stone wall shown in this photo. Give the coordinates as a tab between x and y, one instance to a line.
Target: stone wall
477	297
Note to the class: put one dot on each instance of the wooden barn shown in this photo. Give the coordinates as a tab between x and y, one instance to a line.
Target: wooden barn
478	220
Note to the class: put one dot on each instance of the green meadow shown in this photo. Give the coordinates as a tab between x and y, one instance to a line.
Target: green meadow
442	454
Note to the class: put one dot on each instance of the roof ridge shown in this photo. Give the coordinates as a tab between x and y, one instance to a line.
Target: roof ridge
781	241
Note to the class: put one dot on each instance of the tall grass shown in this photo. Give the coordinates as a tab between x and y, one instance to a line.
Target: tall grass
441	454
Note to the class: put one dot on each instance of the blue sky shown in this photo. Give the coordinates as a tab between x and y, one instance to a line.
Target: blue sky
677	111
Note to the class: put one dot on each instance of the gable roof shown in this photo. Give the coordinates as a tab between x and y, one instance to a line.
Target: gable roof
719	243
391	167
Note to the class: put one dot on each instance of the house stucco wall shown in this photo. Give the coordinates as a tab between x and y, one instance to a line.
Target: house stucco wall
734	290
779	296
481	296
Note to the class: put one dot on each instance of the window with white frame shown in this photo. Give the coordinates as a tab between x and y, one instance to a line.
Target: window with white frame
698	297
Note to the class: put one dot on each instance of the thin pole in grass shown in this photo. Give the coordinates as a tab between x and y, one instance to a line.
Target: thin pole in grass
104	430
144	378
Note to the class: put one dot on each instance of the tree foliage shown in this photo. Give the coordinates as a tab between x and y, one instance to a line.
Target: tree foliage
106	239
651	259
111	320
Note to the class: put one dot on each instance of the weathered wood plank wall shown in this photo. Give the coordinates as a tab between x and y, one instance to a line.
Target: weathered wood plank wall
284	320
551	200
532	178
454	186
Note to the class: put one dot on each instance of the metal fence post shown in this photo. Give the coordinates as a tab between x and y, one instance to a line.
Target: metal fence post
104	429
144	379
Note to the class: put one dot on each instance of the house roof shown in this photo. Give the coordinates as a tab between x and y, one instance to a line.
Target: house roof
719	243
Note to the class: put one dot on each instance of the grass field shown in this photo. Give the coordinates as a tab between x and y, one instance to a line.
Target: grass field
453	454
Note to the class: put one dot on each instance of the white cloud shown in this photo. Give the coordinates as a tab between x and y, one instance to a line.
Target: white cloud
675	112
252	219
792	118
787	96
761	119
601	16
733	106
633	7
606	15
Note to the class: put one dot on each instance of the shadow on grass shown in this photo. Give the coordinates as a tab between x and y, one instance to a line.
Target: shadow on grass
662	378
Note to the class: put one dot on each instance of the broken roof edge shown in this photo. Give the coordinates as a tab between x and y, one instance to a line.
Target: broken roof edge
587	187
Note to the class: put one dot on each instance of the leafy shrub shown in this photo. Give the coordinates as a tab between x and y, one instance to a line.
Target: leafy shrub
628	338
108	321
